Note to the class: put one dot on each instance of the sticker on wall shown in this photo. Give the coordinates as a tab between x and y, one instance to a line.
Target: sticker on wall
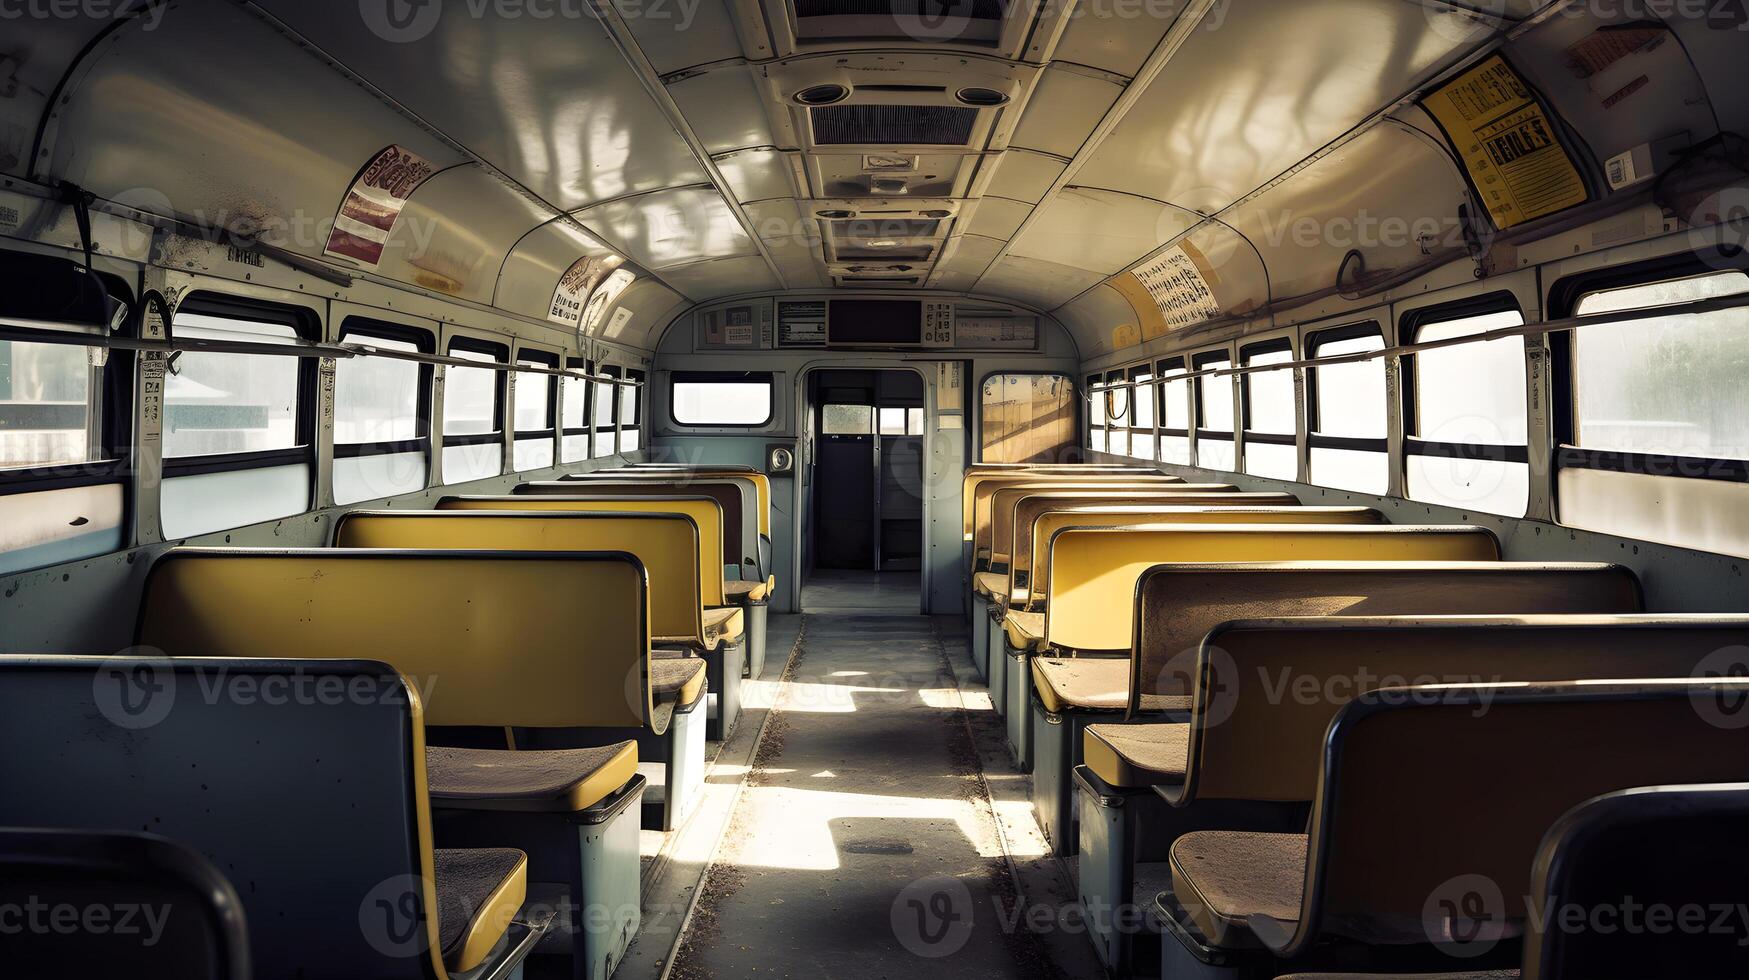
378	195
603	297
616	326
1176	287
1509	145
571	293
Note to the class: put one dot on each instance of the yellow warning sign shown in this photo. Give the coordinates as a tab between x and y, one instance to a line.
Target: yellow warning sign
1508	143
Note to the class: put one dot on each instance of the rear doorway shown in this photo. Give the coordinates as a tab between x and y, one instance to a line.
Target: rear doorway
865	530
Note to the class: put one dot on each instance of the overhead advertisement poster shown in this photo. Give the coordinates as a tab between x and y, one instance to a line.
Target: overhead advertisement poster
1509	144
604	296
1172	291
374	203
574	287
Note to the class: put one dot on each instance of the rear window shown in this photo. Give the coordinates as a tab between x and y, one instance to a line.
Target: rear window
721	398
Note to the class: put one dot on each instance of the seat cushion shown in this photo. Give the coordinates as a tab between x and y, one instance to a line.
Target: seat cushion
677	679
1088	683
1137	756
991	585
546	780
723	626
479	892
1026	631
735	591
1223	878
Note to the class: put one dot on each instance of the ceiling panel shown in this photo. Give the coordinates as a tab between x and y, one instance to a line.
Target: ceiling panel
1095	318
455	232
1023	176
997	217
676	35
1062	111
552	103
1100	231
664	229
757	175
531	272
722	277
725	109
1042	285
1263	87
1117	44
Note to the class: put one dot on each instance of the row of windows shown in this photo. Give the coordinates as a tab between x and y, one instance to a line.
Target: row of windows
1651	396
238	428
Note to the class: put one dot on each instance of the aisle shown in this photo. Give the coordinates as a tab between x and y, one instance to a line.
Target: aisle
864	844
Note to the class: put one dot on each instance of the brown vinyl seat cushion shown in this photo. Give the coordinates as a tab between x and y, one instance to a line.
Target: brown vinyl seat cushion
1137	756
1025	630
1225	878
735	590
677	679
720	626
547	780
1094	684
479	892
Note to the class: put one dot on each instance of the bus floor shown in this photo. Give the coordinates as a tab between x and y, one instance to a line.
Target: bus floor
880	831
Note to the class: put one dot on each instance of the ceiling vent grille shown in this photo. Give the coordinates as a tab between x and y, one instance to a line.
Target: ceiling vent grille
895	125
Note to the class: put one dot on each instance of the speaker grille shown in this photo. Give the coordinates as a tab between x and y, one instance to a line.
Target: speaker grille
898	125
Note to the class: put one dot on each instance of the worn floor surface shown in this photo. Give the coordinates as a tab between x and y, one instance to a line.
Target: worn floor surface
866	842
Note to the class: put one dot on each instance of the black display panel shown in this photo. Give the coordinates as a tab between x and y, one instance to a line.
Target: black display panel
876	322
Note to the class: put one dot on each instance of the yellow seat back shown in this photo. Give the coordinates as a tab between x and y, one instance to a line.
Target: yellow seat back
489	639
666	544
1050	523
1027	504
704	511
1094	571
761	483
974	481
983	513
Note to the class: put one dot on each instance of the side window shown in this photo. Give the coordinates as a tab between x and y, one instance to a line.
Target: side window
1175	413
1027	418
473	412
1347	414
1214	412
1271	417
574	413
901	421
1656	438
1142	401
63	424
1467	411
536	410
237	426
606	415
631	413
1117	408
382	414
727	399
1096	419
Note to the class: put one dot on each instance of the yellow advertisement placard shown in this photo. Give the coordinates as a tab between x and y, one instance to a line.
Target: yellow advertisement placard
1508	144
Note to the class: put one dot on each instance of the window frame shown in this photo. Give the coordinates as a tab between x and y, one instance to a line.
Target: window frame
1564	299
581	366
1410	327
1334	335
307	326
1116	380
1162	368
609	375
425	342
535	357
501	420
1272	346
1096	389
1199	408
769	378
1134	380
112	390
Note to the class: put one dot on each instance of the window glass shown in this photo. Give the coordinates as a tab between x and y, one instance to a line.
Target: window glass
470	396
704	400
1269	395
847	420
1175	396
534	392
1214	447
1471	393
892	421
376	399
1664	385
1351	397
1025	418
913	421
217	403
631	403
574	409
45	404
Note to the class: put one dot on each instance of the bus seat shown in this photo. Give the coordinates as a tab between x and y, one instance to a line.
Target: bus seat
983	515
1093	573
1365	875
204	752
202	935
667	545
740	550
994	527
